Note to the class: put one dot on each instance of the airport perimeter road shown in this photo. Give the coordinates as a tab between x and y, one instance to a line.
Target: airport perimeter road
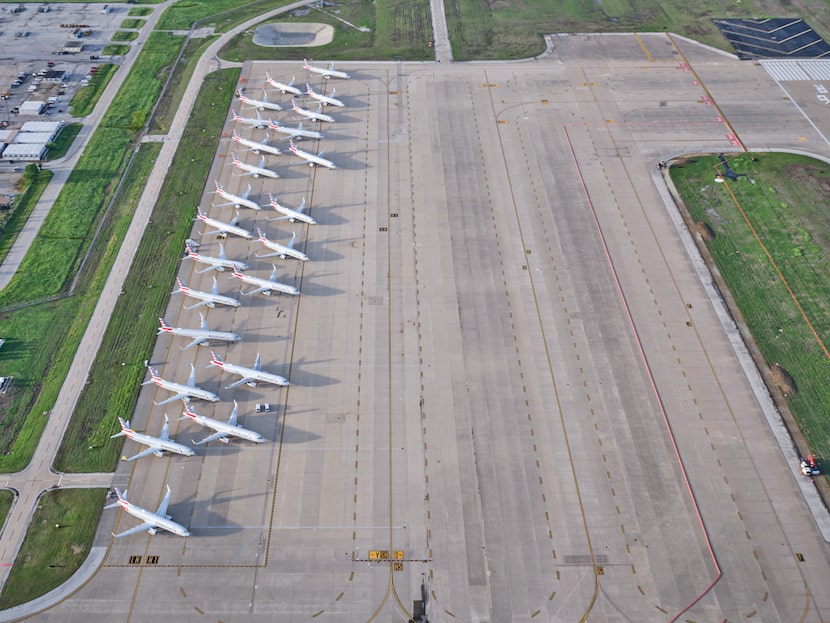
510	393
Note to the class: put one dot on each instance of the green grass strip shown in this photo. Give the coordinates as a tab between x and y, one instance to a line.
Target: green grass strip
24	204
55	545
85	98
64	141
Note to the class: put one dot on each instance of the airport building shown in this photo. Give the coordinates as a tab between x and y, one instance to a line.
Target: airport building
32	107
28	152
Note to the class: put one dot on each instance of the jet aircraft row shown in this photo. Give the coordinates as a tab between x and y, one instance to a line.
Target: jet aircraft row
152	521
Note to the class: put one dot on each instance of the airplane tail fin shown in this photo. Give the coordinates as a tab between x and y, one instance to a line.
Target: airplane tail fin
215	359
124	427
120	497
164	328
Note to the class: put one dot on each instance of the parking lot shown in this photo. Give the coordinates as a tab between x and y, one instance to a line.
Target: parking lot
32	38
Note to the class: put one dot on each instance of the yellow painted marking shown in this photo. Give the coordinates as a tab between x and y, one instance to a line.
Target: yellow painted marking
398	555
378	554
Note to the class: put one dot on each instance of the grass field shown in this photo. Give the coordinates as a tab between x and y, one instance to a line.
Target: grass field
221	14
124	35
64	141
396	29
115	378
115	49
84	101
169	101
56	544
132	24
142	11
12	222
772	246
6	499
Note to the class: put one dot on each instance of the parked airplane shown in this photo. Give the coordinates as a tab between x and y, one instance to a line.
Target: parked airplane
259	123
297	134
153	522
310	114
258	104
312	159
281	86
323	99
250	376
288	213
266	286
157	445
331	72
223	228
183	392
200	336
282	250
211	299
214	263
223	429
256	147
251	169
236	201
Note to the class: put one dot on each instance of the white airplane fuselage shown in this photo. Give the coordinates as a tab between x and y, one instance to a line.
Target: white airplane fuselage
210	299
257	147
217	262
313	159
233	430
217	336
281	86
325	100
179	388
158	442
255	170
259	282
227	228
238	201
326	73
155	519
283	250
260	104
314	116
255	375
293	215
295	133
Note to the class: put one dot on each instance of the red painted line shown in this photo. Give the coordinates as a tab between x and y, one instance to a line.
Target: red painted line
654	389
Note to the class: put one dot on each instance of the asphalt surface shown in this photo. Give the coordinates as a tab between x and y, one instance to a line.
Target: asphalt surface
510	385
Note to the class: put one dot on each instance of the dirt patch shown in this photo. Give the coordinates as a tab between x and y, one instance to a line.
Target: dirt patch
783	380
293	35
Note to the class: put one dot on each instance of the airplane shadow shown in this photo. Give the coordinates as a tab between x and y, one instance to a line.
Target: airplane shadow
304	378
310	288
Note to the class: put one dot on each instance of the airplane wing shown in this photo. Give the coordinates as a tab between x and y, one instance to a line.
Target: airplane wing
164	504
211	267
185	397
191	381
165	430
216	232
153	450
269	254
196	342
210	438
257	291
142	528
247	379
199	304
